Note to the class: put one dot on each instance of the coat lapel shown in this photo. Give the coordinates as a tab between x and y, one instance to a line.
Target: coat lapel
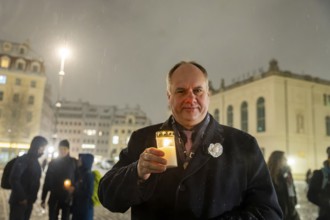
213	134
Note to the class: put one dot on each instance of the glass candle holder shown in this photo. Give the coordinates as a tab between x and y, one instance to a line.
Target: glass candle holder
166	142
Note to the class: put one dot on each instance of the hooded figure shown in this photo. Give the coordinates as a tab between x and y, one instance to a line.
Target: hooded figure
25	180
82	202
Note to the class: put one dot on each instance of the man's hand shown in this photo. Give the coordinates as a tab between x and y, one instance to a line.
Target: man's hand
151	161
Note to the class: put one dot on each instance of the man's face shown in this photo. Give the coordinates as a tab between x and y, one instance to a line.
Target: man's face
63	151
188	96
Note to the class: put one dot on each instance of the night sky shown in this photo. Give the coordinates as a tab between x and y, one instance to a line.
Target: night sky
121	50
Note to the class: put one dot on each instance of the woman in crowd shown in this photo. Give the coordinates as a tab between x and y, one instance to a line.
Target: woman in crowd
82	203
284	185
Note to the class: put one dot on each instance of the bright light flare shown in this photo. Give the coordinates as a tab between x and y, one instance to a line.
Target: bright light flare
64	52
291	161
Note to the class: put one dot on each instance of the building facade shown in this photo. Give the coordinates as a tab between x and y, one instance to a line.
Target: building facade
283	110
97	129
22	85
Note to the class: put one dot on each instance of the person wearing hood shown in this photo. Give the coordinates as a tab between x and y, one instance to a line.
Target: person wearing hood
319	189
25	180
60	180
82	202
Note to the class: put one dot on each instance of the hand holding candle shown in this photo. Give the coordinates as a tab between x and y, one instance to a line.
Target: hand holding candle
166	143
67	184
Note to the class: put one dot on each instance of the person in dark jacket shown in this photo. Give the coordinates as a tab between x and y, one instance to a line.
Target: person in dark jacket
82	203
220	172
25	180
319	189
60	180
284	184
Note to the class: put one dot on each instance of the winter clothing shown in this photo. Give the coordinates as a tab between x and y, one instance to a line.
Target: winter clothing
234	185
83	204
64	143
25	180
319	191
286	194
59	170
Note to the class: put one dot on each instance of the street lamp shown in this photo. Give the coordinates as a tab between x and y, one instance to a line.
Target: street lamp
64	53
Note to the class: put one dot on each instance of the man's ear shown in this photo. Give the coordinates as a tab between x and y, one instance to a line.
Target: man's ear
168	95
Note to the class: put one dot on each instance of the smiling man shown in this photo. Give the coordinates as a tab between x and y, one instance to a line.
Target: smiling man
221	172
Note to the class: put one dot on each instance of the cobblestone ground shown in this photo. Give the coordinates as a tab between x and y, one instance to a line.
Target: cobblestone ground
306	210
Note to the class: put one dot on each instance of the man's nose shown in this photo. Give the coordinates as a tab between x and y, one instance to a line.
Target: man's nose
190	95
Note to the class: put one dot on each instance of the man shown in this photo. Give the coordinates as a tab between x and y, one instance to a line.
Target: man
319	189
25	180
222	175
60	179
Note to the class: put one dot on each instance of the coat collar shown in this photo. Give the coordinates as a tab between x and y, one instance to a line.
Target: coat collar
214	133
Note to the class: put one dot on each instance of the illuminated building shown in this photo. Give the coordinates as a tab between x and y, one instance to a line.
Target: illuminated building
283	110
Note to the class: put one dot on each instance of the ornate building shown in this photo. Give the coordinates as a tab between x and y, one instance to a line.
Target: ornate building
283	110
22	86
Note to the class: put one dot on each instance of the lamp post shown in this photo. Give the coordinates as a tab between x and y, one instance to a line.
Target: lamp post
64	53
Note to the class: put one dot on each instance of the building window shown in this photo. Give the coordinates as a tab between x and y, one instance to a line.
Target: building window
244	117
300	123
261	115
18	81
35	68
20	65
230	116
31	100
115	139
1	95
22	50
5	62
16	98
3	79
327	125
217	115
33	84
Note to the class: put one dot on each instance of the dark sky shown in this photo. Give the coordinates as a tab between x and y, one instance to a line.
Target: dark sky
121	50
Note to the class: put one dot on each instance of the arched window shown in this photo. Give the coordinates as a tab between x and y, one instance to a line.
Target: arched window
230	116
217	115
261	115
5	62
35	67
244	117
327	125
20	64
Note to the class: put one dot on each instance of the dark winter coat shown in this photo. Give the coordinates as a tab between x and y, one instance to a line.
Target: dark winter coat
319	195
58	171
84	188
25	177
235	185
286	201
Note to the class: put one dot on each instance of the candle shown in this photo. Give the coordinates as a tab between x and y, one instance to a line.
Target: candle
166	143
67	183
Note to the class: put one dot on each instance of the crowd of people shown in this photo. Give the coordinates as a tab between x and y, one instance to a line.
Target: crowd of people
70	183
220	172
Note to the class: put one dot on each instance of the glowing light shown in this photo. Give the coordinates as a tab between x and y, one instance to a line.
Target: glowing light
291	161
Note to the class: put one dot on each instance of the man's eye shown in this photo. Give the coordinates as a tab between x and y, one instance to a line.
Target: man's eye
197	91
179	91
